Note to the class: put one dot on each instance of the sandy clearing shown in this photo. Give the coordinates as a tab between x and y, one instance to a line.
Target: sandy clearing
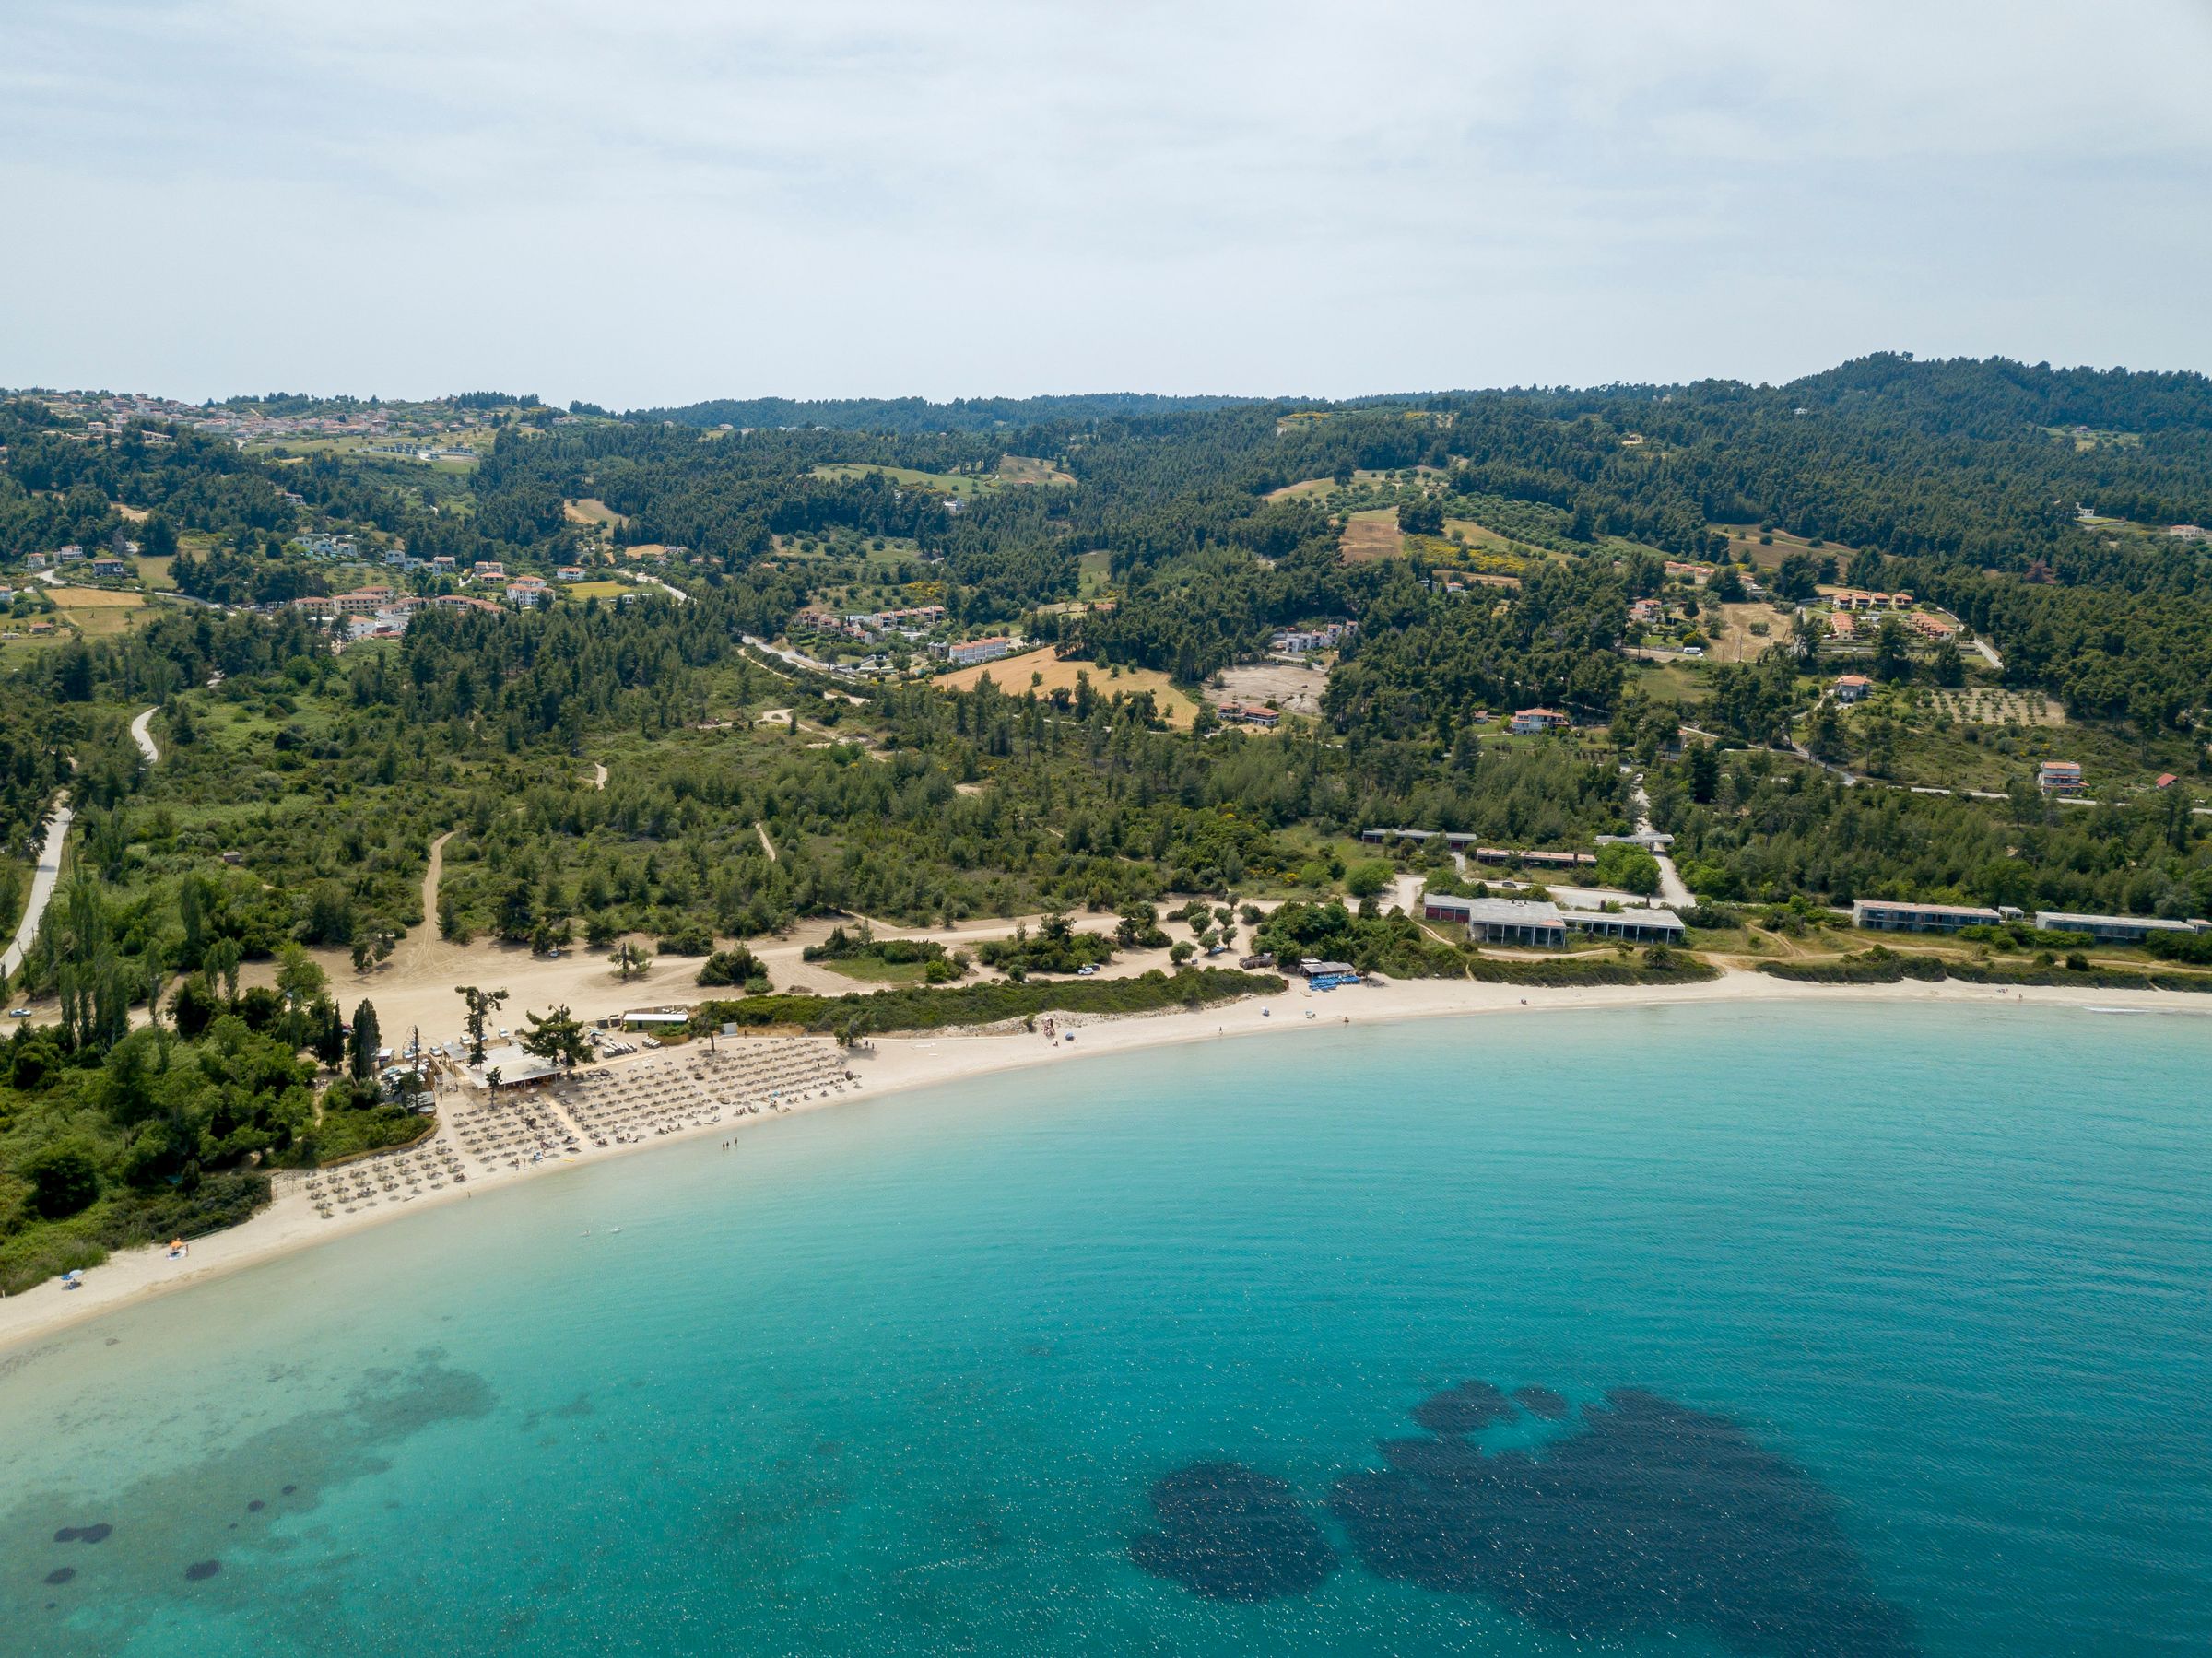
1293	686
1012	675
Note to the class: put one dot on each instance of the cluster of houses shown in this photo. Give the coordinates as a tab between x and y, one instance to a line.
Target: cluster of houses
101	566
380	613
912	622
1843	627
1894	915
1323	635
1249	713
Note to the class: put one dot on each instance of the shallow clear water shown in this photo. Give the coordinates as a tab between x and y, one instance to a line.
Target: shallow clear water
901	1377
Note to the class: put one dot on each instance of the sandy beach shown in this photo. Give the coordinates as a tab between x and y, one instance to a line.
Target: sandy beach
894	1063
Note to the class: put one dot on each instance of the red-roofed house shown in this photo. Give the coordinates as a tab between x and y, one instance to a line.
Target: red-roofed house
1531	722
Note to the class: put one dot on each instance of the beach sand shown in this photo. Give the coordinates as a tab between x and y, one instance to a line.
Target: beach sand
893	1064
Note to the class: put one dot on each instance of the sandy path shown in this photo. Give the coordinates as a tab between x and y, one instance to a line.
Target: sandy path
1673	889
144	738
598	775
44	880
767	845
894	1062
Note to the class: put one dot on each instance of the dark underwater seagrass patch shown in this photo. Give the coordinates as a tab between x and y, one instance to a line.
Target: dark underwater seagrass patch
1648	1515
1230	1532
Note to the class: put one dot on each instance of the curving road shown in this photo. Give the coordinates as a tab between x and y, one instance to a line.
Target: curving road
43	882
144	737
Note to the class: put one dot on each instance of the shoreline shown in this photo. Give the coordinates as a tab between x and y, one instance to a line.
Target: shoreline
897	1065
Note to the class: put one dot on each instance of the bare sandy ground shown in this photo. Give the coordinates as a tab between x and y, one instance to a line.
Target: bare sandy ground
893	1064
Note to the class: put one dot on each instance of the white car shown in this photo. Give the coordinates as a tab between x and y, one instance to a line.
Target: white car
19	1013
1089	969
1693	650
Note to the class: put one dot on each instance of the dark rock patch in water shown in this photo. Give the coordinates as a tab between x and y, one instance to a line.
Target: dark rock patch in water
199	1572
1468	1408
99	1532
1650	1516
61	1574
1229	1533
256	1506
1541	1402
289	1490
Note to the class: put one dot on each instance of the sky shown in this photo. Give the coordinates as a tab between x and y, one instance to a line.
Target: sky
659	201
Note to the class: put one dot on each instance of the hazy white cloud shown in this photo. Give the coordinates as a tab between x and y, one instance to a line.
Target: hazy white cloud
672	199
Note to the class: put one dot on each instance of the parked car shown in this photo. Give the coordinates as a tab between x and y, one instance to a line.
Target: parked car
1089	969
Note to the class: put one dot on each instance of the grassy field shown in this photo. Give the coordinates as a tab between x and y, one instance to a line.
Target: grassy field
597	590
944	482
1093	572
590	509
154	573
95	612
1012	675
1028	469
1747	543
869	970
1667	681
1373	534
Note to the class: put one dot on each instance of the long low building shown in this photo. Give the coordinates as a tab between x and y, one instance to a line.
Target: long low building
1631	927
2114	929
1521	920
1460	840
1545	926
1892	915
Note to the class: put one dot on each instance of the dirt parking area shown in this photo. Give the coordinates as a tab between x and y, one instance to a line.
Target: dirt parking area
1292	687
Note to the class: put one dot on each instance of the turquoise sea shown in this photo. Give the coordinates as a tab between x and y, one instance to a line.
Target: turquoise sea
1844	1330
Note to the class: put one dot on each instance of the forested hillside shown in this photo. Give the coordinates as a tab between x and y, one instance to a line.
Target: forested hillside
1267	626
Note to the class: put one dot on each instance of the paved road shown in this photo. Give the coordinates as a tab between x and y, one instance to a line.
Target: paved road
145	738
42	884
798	659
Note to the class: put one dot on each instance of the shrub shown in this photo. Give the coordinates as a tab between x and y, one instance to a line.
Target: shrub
737	965
919	1009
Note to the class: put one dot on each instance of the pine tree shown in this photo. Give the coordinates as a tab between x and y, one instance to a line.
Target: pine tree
365	1042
